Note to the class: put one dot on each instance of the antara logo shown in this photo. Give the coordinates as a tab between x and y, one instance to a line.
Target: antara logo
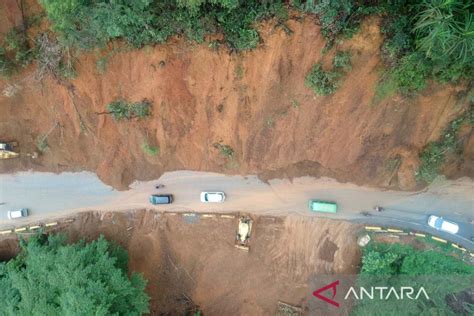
384	293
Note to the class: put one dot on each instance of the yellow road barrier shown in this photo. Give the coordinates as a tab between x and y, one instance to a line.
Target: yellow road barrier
35	227
373	228
4	232
208	215
458	247
227	216
21	229
394	230
420	235
51	224
439	239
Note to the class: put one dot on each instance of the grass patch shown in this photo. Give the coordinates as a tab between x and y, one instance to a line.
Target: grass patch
386	87
150	150
239	71
295	103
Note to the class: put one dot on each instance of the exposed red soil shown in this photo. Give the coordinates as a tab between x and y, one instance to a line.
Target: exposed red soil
256	102
184	258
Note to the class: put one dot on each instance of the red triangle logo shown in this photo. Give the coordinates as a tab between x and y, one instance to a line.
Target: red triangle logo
332	286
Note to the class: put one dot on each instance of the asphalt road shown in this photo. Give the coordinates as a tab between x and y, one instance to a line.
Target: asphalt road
48	195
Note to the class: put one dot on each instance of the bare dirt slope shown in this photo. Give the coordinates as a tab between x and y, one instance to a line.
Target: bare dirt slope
194	258
256	102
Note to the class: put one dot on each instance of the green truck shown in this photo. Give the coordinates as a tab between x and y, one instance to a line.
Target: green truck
322	206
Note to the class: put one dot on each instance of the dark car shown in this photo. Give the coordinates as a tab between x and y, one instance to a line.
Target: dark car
161	199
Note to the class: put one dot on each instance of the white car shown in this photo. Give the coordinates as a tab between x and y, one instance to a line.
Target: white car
441	224
212	197
18	214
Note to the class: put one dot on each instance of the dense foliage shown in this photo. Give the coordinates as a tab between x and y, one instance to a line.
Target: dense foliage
428	39
50	277
398	265
87	24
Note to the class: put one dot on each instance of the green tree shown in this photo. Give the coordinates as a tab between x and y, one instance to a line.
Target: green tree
50	277
445	34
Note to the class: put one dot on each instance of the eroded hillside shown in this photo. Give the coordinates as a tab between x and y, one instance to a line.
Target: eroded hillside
254	104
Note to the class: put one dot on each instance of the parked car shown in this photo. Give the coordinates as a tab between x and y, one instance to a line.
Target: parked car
322	206
24	212
441	224
161	199
212	197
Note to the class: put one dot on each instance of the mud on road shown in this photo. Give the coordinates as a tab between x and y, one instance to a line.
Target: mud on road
186	258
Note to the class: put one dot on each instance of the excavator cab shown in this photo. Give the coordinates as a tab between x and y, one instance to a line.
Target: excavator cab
7	151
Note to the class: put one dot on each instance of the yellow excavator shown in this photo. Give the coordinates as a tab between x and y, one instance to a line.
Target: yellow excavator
8	150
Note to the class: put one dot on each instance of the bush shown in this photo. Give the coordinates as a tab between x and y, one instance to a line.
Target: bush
342	60
433	156
15	52
225	150
322	82
50	277
411	73
122	109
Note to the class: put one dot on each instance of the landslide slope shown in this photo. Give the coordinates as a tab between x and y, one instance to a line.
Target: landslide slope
255	102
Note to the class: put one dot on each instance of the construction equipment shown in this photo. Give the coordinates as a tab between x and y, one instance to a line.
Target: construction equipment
285	309
6	150
242	238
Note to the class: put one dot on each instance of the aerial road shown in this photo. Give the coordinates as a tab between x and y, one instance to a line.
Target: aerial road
48	195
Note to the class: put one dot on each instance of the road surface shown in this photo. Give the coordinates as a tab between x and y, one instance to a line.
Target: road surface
48	195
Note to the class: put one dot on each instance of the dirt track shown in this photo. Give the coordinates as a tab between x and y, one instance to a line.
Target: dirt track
195	258
256	102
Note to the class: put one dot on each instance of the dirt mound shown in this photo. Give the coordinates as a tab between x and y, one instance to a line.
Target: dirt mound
193	259
255	102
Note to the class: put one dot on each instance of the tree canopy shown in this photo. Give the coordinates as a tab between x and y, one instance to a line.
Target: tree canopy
50	277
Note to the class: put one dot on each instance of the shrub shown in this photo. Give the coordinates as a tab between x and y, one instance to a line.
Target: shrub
398	41
342	60
121	109
225	150
411	73
433	156
322	82
15	52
